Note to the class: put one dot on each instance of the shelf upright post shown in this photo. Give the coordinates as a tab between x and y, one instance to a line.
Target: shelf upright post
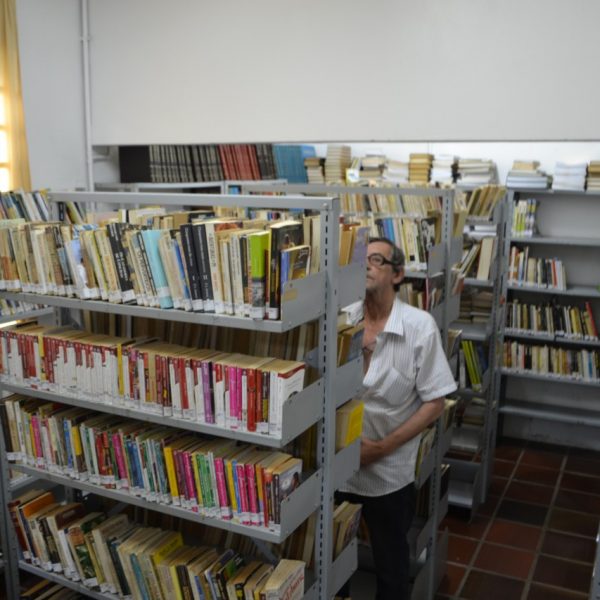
496	341
324	545
10	550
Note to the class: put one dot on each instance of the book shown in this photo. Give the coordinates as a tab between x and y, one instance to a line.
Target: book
286	582
348	423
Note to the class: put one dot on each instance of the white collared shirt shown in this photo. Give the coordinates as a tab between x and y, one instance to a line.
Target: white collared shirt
408	366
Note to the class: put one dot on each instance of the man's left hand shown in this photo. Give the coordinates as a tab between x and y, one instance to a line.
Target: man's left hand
371	451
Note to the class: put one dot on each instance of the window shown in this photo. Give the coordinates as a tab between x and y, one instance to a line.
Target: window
4	164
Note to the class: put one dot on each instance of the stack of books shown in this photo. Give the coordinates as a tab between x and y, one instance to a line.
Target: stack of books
523	224
444	169
314	169
419	168
569	176
475	306
395	171
526	174
593	180
371	167
476	171
339	158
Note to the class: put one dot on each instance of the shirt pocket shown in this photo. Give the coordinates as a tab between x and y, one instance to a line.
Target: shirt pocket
395	386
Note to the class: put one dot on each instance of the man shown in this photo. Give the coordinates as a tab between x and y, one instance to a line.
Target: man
405	381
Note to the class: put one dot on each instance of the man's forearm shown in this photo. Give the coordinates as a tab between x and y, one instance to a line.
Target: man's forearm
426	414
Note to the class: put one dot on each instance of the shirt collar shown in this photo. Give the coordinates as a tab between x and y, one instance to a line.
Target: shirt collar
394	323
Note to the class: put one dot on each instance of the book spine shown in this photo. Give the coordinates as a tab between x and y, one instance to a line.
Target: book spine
208	388
225	508
190	256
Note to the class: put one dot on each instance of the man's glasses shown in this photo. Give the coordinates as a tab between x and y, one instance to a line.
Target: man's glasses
378	260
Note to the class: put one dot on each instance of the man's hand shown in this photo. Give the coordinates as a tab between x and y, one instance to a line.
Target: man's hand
371	451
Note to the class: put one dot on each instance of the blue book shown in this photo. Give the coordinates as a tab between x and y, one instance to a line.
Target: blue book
150	239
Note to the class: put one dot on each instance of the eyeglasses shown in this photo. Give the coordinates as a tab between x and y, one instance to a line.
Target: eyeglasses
378	260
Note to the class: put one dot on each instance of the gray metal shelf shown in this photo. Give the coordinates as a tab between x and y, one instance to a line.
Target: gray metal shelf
467	438
294	509
553	378
535	410
557	241
300	411
343	566
481	283
551	192
302	302
60	579
348	381
576	290
476	332
345	463
548	338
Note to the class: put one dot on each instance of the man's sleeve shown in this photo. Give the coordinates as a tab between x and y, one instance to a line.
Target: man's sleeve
434	377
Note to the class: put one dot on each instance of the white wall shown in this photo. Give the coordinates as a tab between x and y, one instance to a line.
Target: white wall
52	91
391	70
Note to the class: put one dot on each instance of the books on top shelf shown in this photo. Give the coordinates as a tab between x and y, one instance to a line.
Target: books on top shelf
112	554
551	360
419	167
444	169
230	390
569	176
524	215
527	270
314	169
216	478
289	161
338	159
366	170
570	322
476	172
593	178
395	171
526	174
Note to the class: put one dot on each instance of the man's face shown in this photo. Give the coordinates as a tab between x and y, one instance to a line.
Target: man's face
384	276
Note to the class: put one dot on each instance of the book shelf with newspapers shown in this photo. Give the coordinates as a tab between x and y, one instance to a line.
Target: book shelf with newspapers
479	215
236	431
419	220
550	345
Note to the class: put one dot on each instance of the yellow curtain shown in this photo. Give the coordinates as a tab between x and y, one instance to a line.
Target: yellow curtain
10	80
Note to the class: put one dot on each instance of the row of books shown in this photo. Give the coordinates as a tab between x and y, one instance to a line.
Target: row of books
10	308
524	214
483	200
572	322
550	360
526	270
472	365
115	555
212	477
364	202
45	589
188	163
425	294
477	258
30	206
475	306
226	266
233	391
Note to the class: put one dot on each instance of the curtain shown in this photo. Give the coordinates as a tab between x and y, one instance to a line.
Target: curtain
10	82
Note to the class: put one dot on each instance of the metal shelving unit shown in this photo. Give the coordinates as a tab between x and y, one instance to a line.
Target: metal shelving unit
316	297
440	259
566	220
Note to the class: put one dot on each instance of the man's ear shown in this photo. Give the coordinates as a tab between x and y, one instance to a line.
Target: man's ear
398	276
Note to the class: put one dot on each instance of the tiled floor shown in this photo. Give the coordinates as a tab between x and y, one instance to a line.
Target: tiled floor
534	539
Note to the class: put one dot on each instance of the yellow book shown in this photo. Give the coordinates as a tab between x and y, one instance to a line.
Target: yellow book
348	423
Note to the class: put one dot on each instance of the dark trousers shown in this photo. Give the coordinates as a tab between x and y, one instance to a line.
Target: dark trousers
388	519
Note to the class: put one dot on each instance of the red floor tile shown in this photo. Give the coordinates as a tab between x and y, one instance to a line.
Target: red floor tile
529	492
580	483
489	506
487	586
573	522
588	503
508	452
472	529
452	580
461	549
504	561
539	458
538	591
562	573
587	466
530	514
568	546
503	468
497	485
536	474
513	534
